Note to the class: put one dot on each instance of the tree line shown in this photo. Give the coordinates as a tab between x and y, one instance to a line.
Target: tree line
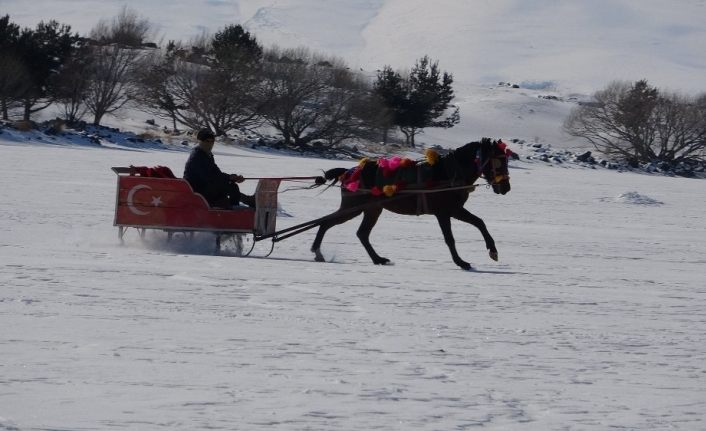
229	81
226	82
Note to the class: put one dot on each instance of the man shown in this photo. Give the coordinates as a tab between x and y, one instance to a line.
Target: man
220	189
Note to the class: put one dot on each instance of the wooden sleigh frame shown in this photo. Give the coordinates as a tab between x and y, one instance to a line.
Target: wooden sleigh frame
170	204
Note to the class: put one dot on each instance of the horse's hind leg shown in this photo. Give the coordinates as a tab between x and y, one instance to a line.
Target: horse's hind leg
445	225
370	218
328	224
464	215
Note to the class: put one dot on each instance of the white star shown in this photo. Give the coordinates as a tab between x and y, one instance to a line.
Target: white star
156	201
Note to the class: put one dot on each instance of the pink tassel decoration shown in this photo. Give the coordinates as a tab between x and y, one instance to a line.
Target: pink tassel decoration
353	186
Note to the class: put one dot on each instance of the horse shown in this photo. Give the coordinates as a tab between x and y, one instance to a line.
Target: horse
442	186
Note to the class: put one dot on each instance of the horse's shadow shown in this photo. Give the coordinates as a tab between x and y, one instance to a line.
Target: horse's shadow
496	272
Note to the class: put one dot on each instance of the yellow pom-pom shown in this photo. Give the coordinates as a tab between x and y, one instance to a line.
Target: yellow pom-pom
389	190
432	156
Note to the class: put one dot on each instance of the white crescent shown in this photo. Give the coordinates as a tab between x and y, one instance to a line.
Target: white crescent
130	195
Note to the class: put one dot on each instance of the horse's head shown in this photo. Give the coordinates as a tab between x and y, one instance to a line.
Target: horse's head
486	158
495	166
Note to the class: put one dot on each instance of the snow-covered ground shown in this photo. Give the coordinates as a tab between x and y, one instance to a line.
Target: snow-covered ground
594	318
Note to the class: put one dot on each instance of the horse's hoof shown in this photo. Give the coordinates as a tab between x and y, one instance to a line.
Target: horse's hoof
382	261
465	266
318	256
493	255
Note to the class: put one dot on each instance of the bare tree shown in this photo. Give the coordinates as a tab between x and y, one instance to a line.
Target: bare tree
596	121
293	90
348	110
109	80
212	84
167	81
636	122
680	128
128	28
221	98
152	87
72	84
310	97
181	91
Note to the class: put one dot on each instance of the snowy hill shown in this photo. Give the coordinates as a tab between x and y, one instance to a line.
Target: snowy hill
548	47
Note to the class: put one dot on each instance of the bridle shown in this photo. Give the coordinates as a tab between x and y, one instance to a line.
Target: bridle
496	163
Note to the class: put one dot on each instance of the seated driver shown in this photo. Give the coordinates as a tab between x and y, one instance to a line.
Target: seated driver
220	189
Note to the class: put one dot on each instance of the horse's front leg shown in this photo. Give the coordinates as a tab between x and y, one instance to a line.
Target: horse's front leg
370	218
445	225
333	219
465	215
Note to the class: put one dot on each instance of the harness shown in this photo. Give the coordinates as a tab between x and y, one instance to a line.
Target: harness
457	177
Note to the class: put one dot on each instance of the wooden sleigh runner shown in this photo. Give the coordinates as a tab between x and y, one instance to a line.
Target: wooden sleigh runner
151	198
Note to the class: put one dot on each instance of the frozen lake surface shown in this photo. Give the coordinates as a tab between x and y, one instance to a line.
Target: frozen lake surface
594	318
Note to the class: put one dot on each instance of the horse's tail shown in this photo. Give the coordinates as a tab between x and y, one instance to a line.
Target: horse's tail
332	174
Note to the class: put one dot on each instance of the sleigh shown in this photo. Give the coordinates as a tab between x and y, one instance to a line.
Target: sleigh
152	198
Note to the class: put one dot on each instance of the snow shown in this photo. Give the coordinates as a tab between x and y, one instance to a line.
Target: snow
636	198
592	319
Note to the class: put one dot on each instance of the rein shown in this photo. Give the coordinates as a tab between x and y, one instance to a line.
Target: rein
280	178
290	179
472	187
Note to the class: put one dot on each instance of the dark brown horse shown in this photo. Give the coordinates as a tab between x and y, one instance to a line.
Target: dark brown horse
441	188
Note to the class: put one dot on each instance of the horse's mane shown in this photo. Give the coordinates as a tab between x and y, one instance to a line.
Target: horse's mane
470	150
459	163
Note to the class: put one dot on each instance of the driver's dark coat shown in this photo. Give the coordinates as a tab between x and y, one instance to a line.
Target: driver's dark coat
205	176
